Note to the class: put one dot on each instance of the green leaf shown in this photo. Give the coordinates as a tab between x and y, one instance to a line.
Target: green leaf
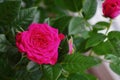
4	44
6	71
43	14
77	25
53	9
62	78
114	41
62	24
103	48
115	63
12	55
95	39
101	25
78	63
25	17
8	51
32	66
73	5
8	11
114	35
89	8
115	67
110	46
29	3
49	3
111	57
90	77
52	72
61	3
79	43
76	76
22	72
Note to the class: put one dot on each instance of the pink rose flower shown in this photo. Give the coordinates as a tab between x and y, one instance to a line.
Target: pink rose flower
111	8
40	43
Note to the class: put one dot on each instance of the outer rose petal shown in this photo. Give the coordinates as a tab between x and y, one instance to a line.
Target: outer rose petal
61	36
19	41
40	43
54	58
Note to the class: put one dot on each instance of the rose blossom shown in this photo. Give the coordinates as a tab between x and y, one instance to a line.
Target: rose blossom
40	43
111	8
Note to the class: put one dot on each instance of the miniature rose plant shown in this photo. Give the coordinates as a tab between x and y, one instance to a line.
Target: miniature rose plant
54	40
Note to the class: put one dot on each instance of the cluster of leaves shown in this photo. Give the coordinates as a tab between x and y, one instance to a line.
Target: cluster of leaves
16	15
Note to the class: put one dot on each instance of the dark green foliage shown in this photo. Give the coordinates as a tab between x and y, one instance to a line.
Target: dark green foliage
25	17
76	76
52	72
8	11
62	24
73	5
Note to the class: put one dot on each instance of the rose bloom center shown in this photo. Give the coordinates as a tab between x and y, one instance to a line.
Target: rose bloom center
39	40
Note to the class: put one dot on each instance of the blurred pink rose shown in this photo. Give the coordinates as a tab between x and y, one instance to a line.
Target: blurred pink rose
111	8
40	43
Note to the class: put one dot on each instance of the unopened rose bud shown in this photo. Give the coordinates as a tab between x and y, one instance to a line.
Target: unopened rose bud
71	48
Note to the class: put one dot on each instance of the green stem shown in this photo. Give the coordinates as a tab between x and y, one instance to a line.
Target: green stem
65	73
108	27
87	23
80	14
96	56
90	53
